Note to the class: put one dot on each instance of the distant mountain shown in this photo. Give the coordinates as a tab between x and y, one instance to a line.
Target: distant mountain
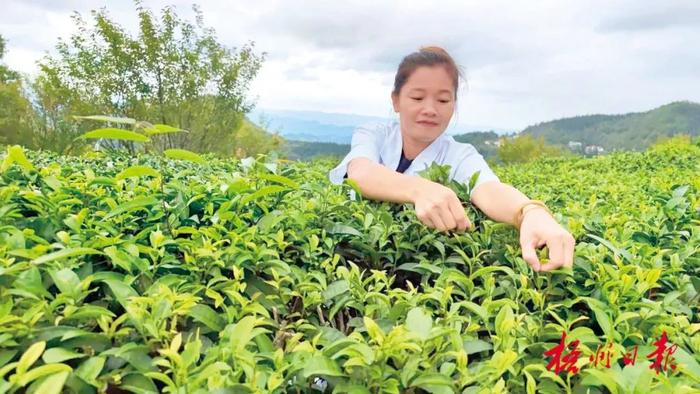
483	141
631	131
315	126
312	126
333	118
312	134
306	150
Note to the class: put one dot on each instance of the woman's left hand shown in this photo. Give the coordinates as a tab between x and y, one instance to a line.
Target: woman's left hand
538	228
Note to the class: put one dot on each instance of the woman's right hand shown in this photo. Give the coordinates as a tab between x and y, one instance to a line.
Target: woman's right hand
438	207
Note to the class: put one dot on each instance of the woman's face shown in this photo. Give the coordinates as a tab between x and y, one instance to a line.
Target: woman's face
425	103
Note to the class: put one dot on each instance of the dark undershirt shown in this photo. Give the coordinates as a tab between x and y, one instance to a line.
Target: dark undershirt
404	163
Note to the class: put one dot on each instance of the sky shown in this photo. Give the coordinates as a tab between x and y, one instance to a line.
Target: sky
524	62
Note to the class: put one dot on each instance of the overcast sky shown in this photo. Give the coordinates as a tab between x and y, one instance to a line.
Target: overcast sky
525	62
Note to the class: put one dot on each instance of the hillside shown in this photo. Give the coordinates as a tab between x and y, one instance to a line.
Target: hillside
305	150
483	141
632	131
312	126
317	126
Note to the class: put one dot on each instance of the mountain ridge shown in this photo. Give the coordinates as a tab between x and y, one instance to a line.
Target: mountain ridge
318	126
629	131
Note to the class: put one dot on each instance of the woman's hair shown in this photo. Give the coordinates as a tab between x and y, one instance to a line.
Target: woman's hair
426	56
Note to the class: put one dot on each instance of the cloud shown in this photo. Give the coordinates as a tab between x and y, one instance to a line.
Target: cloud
377	35
654	16
524	62
57	6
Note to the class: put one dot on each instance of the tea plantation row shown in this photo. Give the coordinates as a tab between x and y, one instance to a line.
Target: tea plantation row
145	274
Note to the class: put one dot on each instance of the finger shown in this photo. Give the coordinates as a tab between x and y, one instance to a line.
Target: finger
460	216
425	219
448	218
441	217
569	247
556	255
437	221
530	255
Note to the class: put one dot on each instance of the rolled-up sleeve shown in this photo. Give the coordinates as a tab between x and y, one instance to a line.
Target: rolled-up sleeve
469	162
366	142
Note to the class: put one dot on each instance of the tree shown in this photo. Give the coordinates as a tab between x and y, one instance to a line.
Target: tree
250	139
5	73
15	109
172	72
524	148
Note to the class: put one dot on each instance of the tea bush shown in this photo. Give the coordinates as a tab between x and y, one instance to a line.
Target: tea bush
146	274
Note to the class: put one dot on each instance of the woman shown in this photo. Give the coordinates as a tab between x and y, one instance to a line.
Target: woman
384	162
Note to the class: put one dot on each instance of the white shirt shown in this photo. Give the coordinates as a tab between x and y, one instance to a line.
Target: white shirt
383	144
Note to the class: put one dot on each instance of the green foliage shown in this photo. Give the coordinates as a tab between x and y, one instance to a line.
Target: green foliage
483	141
5	73
250	140
632	131
305	150
15	154
258	275
667	144
524	148
15	109
140	133
171	72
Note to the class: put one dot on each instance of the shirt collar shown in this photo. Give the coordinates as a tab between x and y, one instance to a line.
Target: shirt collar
391	151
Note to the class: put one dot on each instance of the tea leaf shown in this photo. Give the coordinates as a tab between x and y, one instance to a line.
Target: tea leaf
338	228
205	314
137	171
605	378
162	129
373	330
280	179
110	119
419	322
687	363
44	370
320	365
262	192
433	382
242	332
335	289
129	206
53	384
602	318
67	282
476	346
15	154
181	154
57	355
115	134
90	369
139	384
30	356
64	254
122	292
